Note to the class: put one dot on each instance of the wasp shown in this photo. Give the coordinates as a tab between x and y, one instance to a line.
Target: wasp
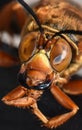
50	52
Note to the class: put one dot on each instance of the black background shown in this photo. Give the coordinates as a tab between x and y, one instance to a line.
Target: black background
12	118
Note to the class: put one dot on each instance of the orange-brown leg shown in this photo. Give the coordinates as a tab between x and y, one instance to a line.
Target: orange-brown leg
60	119
7	60
73	87
65	101
18	97
38	113
12	12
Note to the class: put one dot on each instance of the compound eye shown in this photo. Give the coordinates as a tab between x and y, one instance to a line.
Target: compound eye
27	46
61	55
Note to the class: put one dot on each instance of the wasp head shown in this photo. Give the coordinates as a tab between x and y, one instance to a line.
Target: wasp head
43	53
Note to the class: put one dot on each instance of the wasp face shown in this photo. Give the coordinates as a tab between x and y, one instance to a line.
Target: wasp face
42	60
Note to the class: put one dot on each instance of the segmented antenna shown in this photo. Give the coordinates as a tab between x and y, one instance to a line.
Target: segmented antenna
29	9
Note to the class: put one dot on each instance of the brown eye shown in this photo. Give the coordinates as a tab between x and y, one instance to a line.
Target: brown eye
27	46
61	55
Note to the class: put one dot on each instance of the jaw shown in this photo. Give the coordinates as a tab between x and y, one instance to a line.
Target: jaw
37	72
35	79
38	80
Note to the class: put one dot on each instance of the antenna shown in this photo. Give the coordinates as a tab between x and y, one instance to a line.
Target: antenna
29	9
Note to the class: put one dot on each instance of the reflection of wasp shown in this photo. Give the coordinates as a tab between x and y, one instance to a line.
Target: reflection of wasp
50	52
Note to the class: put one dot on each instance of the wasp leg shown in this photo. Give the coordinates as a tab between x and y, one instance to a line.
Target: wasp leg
38	113
73	87
7	60
65	101
12	13
18	98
